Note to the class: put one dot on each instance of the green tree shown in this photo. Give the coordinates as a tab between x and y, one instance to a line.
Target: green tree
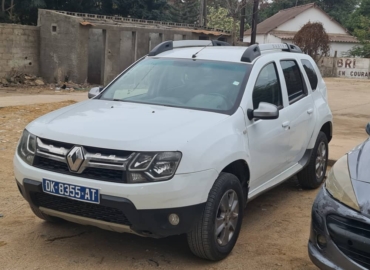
25	11
219	18
359	24
184	11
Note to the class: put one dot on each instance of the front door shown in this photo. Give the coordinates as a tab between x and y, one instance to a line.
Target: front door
268	139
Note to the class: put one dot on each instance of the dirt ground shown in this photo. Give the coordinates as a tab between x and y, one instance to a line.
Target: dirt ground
26	96
275	226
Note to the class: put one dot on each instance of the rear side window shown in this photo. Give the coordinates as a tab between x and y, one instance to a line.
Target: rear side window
311	74
293	79
267	88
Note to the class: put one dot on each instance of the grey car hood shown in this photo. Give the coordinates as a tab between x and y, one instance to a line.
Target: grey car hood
359	168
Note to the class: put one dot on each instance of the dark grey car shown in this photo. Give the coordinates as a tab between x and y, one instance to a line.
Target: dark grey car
340	229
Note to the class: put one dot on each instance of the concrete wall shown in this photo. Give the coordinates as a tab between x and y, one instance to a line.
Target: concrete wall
125	45
312	15
96	52
354	68
63	47
19	49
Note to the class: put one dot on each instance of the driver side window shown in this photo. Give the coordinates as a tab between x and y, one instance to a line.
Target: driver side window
267	88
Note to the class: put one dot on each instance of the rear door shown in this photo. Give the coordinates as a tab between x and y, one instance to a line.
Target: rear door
300	109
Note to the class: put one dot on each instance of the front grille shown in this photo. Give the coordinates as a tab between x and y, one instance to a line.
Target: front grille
90	173
82	209
352	237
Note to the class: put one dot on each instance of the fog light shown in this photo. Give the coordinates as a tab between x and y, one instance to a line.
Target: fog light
321	241
174	219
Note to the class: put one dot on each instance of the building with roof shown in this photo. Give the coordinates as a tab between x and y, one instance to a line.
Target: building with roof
283	26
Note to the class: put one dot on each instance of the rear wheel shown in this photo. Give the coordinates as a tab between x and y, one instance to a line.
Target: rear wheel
45	217
215	234
313	175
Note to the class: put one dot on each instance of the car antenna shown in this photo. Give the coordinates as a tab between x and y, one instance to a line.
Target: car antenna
195	54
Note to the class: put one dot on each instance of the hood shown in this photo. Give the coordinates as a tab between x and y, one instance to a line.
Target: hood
359	162
124	126
359	167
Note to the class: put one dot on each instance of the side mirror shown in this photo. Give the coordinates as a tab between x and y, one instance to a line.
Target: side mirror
265	111
368	128
95	91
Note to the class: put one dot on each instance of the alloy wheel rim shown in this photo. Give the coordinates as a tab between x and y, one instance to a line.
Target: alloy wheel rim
320	160
227	217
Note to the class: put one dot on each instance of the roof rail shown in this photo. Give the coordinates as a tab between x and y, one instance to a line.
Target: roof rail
170	45
254	51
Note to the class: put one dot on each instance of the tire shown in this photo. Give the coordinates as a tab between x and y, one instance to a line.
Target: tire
203	240
309	177
45	217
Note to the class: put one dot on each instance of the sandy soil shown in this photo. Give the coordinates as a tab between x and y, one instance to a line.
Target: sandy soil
27	96
275	226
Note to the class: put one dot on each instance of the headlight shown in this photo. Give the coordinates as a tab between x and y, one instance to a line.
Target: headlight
153	167
339	184
27	147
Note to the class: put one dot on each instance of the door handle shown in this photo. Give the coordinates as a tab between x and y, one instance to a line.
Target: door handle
310	111
286	125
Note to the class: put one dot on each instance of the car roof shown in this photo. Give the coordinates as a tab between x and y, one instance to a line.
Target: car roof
217	53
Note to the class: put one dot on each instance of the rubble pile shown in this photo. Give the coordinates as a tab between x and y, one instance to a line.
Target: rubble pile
17	79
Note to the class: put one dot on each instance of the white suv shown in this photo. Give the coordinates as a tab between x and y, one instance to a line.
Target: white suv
179	142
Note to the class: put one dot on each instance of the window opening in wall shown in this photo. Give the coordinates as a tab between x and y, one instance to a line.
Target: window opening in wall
54	28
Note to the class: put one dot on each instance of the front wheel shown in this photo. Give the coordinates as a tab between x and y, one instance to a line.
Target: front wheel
313	175
215	233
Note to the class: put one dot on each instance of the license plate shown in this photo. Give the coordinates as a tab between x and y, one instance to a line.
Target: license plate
75	192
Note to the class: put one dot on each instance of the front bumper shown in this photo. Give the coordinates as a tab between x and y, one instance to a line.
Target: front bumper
145	207
113	212
345	230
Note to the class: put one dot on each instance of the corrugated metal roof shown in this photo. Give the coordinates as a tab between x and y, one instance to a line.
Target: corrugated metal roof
279	18
345	38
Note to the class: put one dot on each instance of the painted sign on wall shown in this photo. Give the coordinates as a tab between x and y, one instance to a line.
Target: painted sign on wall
356	68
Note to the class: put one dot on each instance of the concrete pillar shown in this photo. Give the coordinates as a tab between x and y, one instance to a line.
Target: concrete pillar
83	55
142	44
112	55
127	50
96	52
154	40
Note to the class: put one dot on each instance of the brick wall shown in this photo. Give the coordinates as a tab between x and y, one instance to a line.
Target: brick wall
19	49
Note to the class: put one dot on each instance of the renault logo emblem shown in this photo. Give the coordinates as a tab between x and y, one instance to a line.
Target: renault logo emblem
75	158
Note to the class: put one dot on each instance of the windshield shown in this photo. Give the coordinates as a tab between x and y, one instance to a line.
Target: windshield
197	84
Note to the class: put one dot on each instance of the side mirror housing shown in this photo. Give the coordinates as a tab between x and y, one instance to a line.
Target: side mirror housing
95	91
368	129
265	111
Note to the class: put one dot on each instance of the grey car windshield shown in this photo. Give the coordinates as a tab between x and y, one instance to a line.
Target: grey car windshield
196	84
